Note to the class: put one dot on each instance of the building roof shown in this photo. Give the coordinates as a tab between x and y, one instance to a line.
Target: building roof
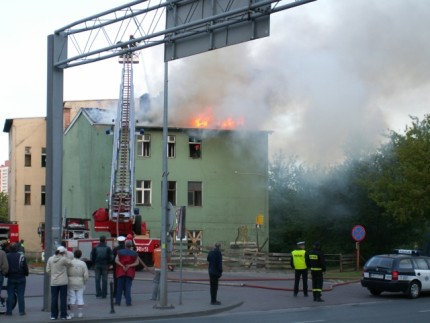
96	116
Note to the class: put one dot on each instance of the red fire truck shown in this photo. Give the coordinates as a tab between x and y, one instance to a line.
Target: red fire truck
9	231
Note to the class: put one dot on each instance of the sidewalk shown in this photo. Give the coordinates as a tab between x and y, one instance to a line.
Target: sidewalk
192	300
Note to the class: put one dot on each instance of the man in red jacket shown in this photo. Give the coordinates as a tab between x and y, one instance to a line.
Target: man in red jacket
126	261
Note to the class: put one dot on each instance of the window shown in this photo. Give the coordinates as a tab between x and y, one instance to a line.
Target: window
144	145
405	264
27	194
143	192
43	160
42	195
171	146
27	157
420	264
195	145
195	193
171	192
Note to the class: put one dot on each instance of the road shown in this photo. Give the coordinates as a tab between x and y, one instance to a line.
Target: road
267	297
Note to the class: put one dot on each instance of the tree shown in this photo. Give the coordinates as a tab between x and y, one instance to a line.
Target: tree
4	206
401	181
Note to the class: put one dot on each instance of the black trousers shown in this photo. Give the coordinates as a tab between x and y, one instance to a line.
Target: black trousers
301	273
317	281
214	287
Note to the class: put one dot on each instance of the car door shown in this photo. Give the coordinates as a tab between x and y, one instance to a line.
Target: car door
422	271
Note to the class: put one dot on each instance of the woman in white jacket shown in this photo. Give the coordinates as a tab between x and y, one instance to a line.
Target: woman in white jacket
78	276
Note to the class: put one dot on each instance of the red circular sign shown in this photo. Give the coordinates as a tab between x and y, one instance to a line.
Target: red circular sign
358	233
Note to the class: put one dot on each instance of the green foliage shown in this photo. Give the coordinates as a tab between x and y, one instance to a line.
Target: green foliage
401	179
4	206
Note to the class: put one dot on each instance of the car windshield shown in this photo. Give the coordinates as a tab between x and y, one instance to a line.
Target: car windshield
380	262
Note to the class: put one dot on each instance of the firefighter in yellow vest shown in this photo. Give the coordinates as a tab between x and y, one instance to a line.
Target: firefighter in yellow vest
298	263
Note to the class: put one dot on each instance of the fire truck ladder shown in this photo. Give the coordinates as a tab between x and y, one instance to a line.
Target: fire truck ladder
122	171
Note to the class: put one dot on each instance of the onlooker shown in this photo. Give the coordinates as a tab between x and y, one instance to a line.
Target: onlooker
101	257
21	248
77	278
315	260
56	267
68	253
156	259
298	263
121	245
126	260
4	267
16	279
215	271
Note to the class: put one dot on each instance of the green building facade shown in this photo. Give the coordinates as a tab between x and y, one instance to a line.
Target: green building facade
221	176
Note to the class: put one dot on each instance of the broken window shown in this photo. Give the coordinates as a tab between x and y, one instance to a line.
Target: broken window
171	146
195	144
27	194
144	145
27	157
195	193
143	192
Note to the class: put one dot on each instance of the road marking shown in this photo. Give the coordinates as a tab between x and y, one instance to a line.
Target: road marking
424	311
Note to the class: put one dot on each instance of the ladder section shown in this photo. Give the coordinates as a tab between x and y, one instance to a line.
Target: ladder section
121	196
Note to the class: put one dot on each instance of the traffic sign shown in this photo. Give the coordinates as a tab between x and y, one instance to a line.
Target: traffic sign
358	233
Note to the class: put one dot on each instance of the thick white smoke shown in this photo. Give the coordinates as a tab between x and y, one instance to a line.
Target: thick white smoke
331	79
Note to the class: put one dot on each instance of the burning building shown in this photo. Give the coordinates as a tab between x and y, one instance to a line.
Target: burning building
219	173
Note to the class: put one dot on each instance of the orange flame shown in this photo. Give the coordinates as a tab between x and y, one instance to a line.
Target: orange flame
206	120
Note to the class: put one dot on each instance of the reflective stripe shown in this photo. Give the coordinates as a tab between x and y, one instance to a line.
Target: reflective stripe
312	268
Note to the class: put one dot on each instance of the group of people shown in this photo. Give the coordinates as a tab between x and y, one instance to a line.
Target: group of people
124	260
13	266
68	278
301	262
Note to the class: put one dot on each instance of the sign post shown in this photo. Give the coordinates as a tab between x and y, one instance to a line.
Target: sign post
358	233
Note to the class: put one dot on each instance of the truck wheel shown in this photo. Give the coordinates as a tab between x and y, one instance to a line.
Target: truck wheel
137	225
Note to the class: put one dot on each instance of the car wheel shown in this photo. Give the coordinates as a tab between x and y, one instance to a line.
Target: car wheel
375	292
414	289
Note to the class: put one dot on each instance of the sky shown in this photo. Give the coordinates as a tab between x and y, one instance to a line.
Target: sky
331	79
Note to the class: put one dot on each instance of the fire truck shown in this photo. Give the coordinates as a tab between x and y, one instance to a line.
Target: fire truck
9	231
120	218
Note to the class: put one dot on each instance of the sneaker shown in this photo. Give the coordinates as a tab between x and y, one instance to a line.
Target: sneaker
80	314
53	318
216	303
68	317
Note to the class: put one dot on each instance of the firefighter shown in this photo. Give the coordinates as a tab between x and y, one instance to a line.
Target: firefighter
315	260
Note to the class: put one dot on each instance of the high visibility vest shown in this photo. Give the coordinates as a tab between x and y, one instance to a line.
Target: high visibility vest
299	260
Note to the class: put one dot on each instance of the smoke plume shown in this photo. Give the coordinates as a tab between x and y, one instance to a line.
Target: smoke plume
331	79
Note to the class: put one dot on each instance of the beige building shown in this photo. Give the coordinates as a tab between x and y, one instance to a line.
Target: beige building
27	157
4	176
27	164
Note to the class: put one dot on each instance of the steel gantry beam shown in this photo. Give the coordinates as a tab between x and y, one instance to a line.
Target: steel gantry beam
101	36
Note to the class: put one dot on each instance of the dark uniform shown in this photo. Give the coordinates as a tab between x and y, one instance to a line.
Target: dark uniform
298	263
315	260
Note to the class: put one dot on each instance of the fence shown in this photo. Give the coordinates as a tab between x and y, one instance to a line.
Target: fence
248	258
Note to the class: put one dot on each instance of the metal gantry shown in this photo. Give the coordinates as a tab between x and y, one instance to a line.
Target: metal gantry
100	36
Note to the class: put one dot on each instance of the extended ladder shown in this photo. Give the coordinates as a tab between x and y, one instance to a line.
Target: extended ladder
121	199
